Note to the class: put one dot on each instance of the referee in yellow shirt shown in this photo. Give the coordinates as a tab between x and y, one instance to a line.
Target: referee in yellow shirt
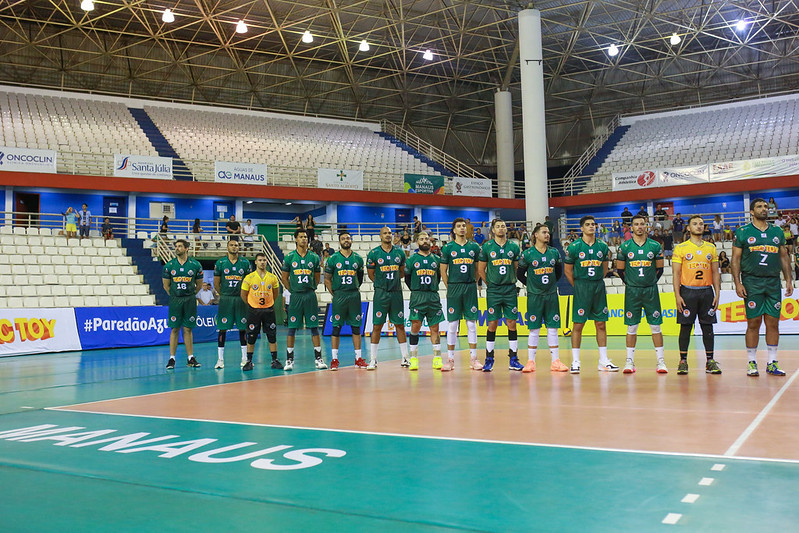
259	291
697	282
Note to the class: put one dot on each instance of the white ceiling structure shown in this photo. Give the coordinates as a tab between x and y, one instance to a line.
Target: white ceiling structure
124	48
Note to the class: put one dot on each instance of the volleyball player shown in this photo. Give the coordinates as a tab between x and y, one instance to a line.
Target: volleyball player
697	282
385	265
422	278
540	268
458	260
300	274
259	291
758	256
497	268
640	265
182	277
232	313
343	278
586	265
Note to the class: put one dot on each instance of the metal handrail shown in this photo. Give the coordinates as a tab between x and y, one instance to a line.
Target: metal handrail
582	161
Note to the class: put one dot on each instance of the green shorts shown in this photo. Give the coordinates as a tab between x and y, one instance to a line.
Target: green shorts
462	301
763	295
502	302
543	309
426	305
388	305
646	298
232	313
303	307
182	312
590	301
346	309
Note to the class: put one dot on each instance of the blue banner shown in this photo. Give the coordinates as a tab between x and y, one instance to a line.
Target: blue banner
345	329
118	327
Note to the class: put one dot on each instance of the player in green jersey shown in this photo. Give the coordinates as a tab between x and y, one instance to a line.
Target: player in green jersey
586	265
300	274
232	313
497	268
182	278
640	265
540	268
758	257
422	278
385	266
343	278
458	272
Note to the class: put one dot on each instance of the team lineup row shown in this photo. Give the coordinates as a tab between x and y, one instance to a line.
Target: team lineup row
247	299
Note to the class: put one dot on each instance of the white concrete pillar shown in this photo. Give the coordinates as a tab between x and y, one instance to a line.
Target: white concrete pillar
503	110
533	120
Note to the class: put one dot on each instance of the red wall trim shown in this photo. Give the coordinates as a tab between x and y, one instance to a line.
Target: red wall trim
253	192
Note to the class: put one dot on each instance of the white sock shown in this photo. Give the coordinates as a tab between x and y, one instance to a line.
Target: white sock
772	353
189	356
631	353
751	353
220	353
373	351
603	354
531	352
576	355
334	351
358	354
473	353
290	351
437	349
450	354
404	349
659	352
489	346
244	352
513	345
554	351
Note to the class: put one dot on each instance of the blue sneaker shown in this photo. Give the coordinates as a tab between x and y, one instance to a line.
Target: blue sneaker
515	364
774	369
488	364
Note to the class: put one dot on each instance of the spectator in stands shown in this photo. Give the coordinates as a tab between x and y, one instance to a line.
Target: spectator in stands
615	234
206	296
71	218
107	230
469	230
417	227
233	228
479	237
794	223
718	228
668	241
164	229
434	247
316	247
196	230
310	226
328	251
789	236
626	233
728	233
660	214
642	212
772	208
405	243
626	216
657	236
724	262
677	228
85	221
524	237
298	223
248	230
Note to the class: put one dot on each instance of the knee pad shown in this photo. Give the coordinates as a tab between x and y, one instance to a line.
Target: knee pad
654	328
251	337
452	333
220	339
632	330
337	331
271	333
471	331
314	332
552	336
532	338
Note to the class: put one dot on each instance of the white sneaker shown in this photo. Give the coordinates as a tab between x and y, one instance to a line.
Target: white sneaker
662	367
475	364
607	366
372	365
243	362
289	364
629	367
575	368
405	363
220	363
320	364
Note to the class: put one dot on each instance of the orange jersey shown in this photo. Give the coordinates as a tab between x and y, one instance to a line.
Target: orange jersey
259	289
697	263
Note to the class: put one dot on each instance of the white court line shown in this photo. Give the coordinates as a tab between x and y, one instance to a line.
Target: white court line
672	518
718	467
706	481
430	437
732	450
690	498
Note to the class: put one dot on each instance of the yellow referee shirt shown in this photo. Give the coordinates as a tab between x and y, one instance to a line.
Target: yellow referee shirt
259	289
697	263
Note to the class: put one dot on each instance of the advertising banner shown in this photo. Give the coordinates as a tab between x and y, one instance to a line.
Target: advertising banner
682	175
424	184
755	168
330	178
117	327
247	173
626	181
142	166
27	160
24	331
471	187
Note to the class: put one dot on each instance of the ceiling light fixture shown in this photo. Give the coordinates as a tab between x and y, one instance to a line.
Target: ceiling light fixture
675	39
613	50
241	27
364	46
87	5
741	25
168	16
288	203
307	37
428	55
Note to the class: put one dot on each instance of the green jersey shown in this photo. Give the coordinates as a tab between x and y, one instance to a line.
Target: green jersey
387	267
760	250
587	259
344	271
499	262
302	271
540	270
639	262
183	276
230	275
461	261
424	272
